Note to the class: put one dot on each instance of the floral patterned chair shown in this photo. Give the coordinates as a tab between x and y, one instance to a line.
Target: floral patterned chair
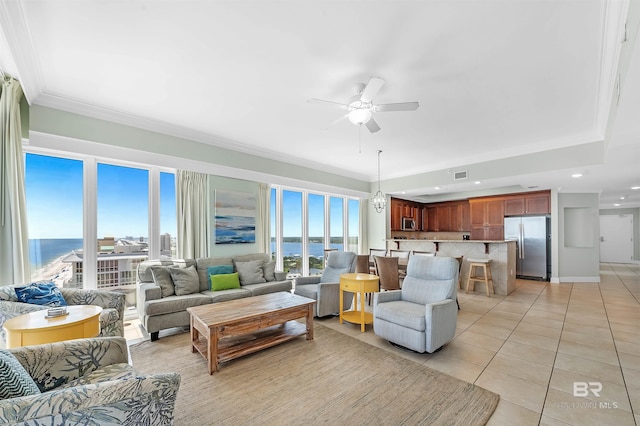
84	381
111	317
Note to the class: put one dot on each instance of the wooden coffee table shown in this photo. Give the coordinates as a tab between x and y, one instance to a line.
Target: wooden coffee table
34	328
226	330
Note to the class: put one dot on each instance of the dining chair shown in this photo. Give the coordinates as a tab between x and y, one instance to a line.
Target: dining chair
403	259
372	254
362	264
388	272
422	253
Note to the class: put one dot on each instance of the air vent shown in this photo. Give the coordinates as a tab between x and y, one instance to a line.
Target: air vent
462	174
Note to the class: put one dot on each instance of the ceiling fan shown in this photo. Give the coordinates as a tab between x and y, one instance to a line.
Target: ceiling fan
361	107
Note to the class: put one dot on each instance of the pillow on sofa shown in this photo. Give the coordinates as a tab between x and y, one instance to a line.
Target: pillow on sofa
269	269
185	280
224	281
250	272
218	269
46	294
162	278
15	380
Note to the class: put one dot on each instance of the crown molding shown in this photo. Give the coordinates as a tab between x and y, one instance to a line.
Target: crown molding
13	24
75	106
613	37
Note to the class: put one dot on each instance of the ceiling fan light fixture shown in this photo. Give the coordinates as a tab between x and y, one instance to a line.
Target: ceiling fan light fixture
359	116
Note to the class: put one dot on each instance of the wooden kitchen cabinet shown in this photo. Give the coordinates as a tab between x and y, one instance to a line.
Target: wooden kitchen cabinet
487	219
529	203
404	208
396	214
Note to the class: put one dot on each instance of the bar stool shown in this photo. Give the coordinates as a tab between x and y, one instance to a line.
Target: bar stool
480	270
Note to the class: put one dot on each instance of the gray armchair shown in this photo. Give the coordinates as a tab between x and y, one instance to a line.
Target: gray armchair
325	289
422	315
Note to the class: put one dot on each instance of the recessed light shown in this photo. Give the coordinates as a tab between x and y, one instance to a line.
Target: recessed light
477	182
617	205
635	187
436	187
576	175
623	197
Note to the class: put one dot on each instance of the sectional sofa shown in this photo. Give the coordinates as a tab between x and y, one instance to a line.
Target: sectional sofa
166	288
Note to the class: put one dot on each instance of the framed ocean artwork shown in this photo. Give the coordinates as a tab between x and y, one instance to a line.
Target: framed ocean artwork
235	214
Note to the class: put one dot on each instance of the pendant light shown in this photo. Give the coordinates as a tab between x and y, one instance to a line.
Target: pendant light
379	200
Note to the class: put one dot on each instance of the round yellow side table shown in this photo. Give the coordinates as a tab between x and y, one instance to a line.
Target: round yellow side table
362	284
34	328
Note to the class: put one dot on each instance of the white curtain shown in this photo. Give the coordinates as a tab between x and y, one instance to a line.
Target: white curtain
192	204
263	226
363	241
14	237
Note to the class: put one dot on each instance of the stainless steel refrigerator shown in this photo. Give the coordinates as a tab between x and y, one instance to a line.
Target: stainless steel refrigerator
533	238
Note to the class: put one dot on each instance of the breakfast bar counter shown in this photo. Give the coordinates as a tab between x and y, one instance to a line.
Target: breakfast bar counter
502	254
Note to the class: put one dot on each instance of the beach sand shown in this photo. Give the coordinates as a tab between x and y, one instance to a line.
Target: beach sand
56	271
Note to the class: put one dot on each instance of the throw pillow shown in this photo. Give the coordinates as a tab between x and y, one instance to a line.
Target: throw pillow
185	280
46	294
15	380
269	270
218	269
224	281
250	272
162	278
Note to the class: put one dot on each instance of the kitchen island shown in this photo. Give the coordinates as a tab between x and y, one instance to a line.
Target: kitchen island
501	253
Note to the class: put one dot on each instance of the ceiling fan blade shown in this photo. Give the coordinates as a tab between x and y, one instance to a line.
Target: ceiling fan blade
372	89
401	106
334	122
372	125
322	101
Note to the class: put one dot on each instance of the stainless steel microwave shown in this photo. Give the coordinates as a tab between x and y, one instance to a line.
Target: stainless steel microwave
408	224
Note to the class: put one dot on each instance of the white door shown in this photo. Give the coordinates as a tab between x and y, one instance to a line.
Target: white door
616	238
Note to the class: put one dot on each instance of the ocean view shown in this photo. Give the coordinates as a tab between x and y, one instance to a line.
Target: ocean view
44	251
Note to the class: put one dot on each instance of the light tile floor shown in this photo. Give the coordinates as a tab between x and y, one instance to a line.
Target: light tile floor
531	346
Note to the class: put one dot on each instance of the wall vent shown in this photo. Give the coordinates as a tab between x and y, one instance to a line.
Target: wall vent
462	174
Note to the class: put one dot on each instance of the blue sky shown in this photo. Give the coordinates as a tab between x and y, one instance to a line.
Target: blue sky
54	199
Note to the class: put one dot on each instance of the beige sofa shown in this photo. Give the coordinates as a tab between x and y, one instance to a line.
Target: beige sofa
159	313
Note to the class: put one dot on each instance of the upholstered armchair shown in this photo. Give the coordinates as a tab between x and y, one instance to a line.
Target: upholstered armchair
422	315
84	381
325	289
111	317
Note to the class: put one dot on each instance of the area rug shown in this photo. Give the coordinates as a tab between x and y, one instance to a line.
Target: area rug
333	379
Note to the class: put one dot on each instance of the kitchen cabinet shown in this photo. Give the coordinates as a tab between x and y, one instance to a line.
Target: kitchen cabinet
404	208
487	219
532	203
396	214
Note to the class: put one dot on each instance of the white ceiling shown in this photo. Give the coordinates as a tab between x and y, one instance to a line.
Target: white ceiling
494	79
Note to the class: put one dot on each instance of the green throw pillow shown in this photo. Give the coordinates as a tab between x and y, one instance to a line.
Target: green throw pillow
224	281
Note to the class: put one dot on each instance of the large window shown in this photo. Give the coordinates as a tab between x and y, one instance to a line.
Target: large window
315	233
337	223
53	189
123	227
353	208
168	224
67	198
292	232
305	225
